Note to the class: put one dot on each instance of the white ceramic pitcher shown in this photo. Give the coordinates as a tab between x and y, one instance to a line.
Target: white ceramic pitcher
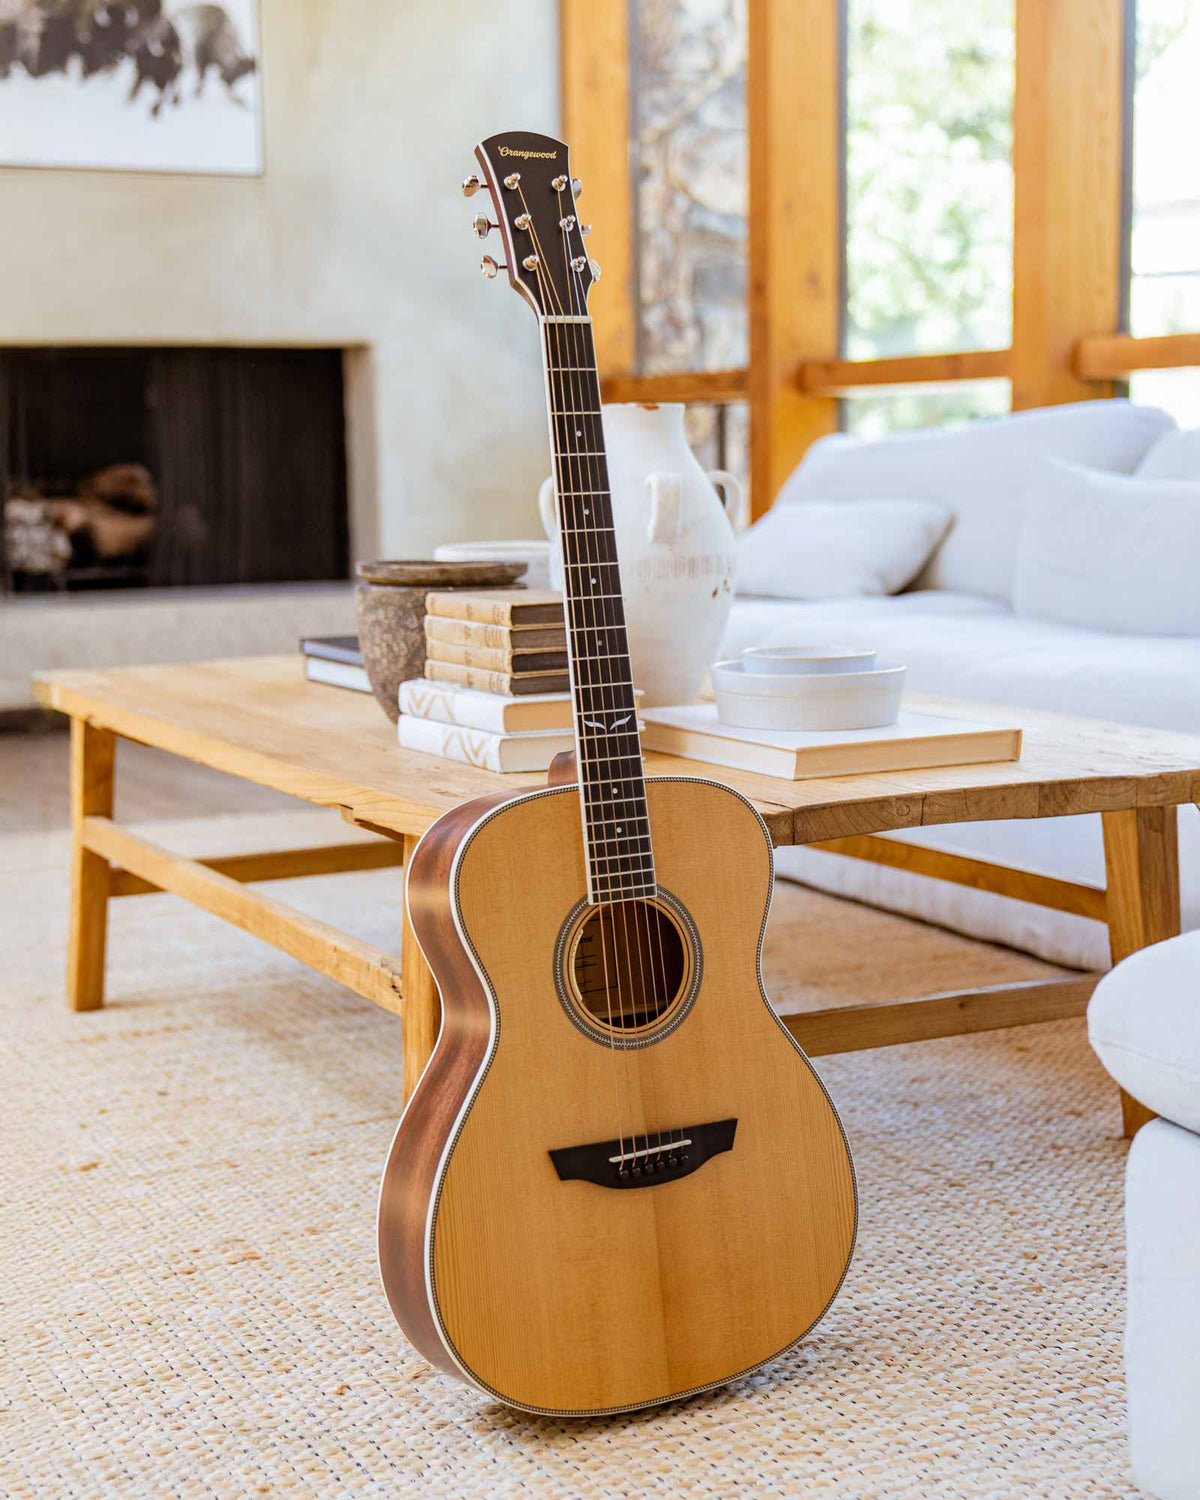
675	544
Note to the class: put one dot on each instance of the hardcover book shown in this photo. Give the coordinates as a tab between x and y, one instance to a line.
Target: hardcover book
491	711
505	683
498	658
513	607
494	752
914	742
502	637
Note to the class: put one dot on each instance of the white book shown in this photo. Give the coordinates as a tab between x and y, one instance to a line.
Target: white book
495	712
914	742
494	752
337	673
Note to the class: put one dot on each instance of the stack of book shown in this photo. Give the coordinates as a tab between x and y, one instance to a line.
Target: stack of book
511	642
496	687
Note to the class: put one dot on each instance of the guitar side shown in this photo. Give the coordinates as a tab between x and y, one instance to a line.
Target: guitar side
564	1296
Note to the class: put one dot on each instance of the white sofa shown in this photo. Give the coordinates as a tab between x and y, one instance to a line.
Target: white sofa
957	630
1144	1023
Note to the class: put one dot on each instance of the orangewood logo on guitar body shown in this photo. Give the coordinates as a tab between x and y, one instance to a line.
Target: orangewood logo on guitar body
517	151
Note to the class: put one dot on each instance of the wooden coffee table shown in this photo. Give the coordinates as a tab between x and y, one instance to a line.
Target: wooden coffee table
261	720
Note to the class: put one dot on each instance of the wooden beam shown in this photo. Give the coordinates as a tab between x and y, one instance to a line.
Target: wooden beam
1110	356
362	967
794	93
981	875
1068	163
281	864
835	377
886	1023
715	387
594	81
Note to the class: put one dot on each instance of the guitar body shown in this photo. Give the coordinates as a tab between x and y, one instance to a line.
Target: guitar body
678	1250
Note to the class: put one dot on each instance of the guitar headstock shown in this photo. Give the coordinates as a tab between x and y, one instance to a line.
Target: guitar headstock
533	198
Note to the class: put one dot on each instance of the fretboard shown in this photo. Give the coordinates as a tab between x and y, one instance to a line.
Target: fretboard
616	825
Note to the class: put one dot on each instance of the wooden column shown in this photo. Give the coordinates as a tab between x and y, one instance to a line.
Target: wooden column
1067	160
595	69
1141	857
794	89
92	763
421	1007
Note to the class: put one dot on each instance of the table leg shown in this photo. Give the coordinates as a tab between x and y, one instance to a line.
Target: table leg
1141	857
422	1006
92	761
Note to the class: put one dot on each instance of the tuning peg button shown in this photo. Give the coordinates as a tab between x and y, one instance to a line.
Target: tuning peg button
594	267
489	267
585	229
470	186
576	187
482	226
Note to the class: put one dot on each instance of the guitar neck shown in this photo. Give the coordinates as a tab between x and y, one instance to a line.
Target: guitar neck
616	826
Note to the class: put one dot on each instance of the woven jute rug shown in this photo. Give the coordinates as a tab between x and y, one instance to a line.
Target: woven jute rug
189	1298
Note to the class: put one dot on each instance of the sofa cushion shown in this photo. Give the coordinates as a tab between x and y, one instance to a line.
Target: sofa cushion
1112	552
985	473
838	551
1144	1023
1176	455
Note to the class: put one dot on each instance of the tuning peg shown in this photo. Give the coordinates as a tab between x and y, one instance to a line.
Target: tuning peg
576	187
594	267
585	229
470	186
489	267
482	226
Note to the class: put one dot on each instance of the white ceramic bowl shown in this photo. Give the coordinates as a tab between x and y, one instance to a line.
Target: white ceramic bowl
807	701
814	660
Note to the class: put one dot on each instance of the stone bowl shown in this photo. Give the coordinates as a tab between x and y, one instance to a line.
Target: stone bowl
390	599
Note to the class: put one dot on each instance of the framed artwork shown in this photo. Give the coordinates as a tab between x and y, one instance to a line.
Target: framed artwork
131	85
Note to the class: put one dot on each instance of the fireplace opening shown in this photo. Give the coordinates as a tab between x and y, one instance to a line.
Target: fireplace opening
136	468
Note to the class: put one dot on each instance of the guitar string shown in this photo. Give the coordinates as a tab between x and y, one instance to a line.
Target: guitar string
603	615
580	361
644	919
562	458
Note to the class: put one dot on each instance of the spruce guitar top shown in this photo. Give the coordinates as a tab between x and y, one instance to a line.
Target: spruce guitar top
619	1180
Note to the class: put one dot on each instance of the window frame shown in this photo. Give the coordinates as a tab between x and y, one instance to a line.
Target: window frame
1071	126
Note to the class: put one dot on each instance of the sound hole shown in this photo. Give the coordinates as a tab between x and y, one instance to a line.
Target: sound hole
630	964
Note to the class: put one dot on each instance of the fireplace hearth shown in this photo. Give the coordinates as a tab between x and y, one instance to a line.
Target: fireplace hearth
135	468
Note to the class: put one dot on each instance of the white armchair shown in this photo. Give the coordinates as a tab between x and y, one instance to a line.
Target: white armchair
1144	1023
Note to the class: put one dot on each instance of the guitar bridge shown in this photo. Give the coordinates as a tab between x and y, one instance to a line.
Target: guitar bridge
645	1160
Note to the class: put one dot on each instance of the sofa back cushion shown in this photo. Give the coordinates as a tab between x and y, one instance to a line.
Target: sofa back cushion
985	474
1112	552
1176	455
840	550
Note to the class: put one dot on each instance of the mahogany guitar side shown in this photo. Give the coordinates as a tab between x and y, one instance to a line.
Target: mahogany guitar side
563	1296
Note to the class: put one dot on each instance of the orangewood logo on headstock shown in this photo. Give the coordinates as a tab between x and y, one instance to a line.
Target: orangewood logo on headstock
517	151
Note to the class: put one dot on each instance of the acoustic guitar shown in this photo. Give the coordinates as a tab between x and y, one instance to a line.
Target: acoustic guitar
619	1180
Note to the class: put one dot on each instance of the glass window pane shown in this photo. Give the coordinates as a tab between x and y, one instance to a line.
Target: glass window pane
929	183
1165	252
925	406
688	91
